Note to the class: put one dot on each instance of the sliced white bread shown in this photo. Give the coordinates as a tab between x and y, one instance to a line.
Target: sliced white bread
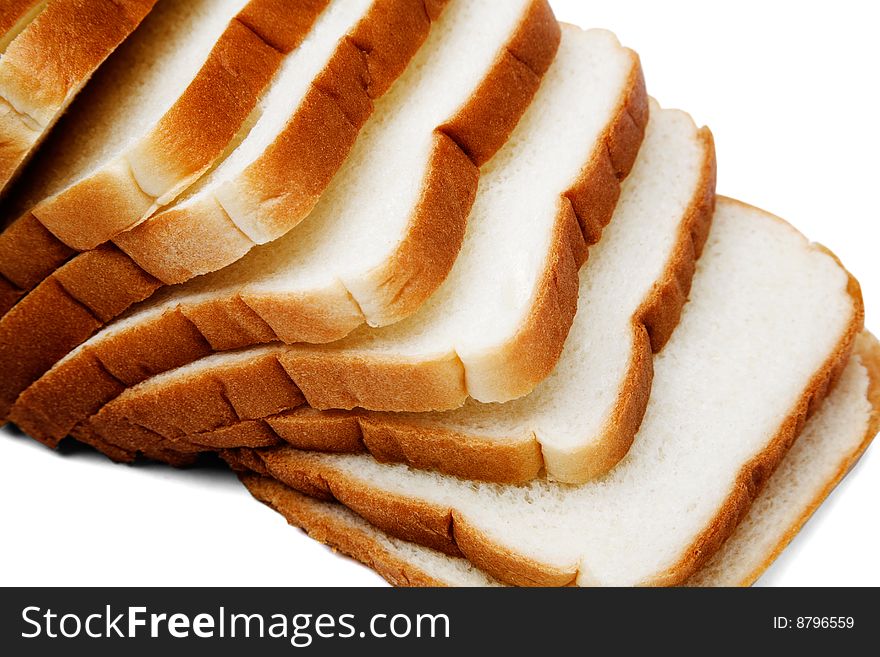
831	443
48	51
216	312
354	50
519	263
771	323
577	424
161	111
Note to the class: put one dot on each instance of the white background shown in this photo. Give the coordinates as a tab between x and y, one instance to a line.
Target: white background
790	90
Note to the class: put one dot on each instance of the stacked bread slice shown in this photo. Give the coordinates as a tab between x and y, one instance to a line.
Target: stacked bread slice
446	289
48	51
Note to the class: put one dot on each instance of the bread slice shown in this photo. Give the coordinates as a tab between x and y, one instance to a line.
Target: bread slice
771	323
831	443
158	115
216	312
577	424
312	137
48	51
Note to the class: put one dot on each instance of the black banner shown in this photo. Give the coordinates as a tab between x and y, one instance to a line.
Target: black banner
330	621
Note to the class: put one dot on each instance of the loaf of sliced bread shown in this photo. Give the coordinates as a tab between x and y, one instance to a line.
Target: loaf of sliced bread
155	117
339	242
353	51
48	51
771	323
521	254
830	444
576	425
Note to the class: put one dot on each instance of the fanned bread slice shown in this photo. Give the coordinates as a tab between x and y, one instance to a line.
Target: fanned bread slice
306	127
309	301
771	323
577	424
48	51
831	443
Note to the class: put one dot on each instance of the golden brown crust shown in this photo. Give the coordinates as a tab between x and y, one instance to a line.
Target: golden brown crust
653	324
479	128
471	138
403	438
137	443
62	312
12	13
45	47
390	384
28	254
50	61
216	398
307	514
416	521
35	334
282	186
432	240
18	138
79	386
392	438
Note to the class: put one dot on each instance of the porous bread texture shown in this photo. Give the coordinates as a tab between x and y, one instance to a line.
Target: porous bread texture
770	324
154	118
580	422
830	444
217	315
47	53
583	416
99	285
